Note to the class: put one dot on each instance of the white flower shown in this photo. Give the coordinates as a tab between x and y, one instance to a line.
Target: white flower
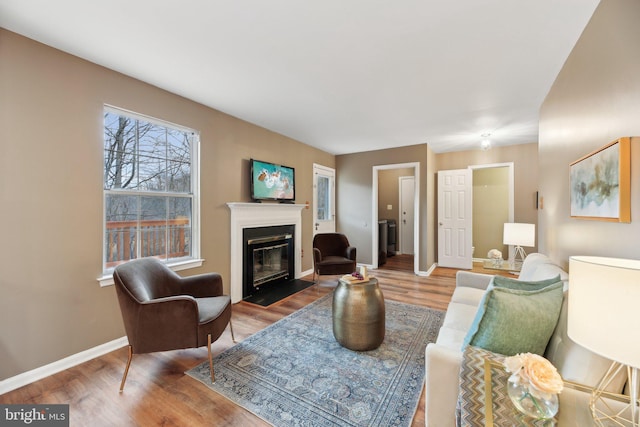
494	254
537	372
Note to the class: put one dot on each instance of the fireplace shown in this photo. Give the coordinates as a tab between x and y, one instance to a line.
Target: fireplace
267	257
254	215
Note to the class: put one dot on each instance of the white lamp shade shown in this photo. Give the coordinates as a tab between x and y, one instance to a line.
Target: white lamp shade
604	295
519	234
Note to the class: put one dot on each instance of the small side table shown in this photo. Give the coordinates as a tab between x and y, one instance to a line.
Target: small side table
574	404
483	399
359	315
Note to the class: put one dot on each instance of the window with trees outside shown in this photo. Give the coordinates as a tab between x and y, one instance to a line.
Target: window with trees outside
150	203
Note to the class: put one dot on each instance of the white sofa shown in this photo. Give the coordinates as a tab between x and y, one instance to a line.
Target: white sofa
443	358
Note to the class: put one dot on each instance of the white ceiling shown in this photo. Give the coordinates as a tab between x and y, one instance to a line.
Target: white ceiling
341	75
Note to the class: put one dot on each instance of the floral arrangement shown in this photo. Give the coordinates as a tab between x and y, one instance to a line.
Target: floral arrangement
536	373
494	254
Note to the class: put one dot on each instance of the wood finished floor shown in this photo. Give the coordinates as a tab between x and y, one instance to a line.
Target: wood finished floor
158	392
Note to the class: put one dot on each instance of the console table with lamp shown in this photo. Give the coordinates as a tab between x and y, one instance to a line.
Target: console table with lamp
518	234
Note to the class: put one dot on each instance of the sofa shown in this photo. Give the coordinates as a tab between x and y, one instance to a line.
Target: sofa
444	357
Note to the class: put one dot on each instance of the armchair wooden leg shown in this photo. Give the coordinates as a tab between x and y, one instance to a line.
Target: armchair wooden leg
126	370
213	377
233	338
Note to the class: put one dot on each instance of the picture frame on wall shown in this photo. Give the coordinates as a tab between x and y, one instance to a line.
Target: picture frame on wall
601	183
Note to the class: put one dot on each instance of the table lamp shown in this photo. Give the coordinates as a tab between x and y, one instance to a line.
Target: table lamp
520	235
604	294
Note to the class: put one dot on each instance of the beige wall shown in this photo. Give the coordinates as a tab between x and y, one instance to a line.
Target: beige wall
525	160
490	210
51	109
594	100
354	197
354	183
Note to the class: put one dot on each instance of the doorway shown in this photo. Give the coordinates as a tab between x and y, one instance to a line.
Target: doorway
387	211
484	224
492	207
324	217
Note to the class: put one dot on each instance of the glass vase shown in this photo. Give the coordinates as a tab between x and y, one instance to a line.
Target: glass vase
529	404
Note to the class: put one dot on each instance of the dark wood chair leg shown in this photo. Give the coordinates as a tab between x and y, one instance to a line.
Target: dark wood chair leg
126	370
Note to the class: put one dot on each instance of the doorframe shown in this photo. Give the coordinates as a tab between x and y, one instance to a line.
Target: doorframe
416	212
318	167
511	190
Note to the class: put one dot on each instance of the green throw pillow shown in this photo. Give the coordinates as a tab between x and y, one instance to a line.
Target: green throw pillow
507	282
512	321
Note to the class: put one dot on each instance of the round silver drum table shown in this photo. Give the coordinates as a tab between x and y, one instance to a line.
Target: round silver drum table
358	315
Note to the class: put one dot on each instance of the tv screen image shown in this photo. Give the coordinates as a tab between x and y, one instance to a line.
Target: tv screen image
272	182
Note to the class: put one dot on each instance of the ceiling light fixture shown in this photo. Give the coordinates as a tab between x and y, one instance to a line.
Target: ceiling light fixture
486	143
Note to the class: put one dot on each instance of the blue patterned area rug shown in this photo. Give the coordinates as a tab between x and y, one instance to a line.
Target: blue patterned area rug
294	372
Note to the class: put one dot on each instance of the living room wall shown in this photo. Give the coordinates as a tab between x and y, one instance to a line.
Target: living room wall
524	158
594	100
354	186
51	119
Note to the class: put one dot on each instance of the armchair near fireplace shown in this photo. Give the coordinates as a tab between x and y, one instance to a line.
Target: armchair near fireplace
332	254
163	311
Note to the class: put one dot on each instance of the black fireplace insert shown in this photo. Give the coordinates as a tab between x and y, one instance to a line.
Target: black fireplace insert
268	257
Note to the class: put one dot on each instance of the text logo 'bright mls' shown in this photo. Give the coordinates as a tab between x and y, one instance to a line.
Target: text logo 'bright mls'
34	415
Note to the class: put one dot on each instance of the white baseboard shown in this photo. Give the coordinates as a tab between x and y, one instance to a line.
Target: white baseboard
306	273
428	272
60	365
369	266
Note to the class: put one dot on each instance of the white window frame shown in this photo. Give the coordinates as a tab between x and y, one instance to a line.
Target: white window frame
184	263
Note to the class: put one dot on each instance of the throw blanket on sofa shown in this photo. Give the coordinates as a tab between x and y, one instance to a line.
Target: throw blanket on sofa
472	400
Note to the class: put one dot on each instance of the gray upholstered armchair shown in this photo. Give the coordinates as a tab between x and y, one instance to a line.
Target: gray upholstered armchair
332	254
163	311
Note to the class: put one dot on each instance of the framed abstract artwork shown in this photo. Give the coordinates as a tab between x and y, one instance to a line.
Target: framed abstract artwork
601	183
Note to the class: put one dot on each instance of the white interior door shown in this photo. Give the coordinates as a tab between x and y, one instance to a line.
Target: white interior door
455	222
405	227
324	218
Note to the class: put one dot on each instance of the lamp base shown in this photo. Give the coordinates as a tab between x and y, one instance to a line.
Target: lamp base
603	412
519	252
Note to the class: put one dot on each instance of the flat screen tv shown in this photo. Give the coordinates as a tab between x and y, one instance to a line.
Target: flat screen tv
270	181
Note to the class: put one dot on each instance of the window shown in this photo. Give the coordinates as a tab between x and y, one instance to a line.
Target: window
323	198
150	190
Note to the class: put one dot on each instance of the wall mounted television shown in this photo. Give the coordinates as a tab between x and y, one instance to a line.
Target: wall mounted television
270	181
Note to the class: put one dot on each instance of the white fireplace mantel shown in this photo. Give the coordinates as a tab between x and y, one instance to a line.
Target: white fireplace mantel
249	215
